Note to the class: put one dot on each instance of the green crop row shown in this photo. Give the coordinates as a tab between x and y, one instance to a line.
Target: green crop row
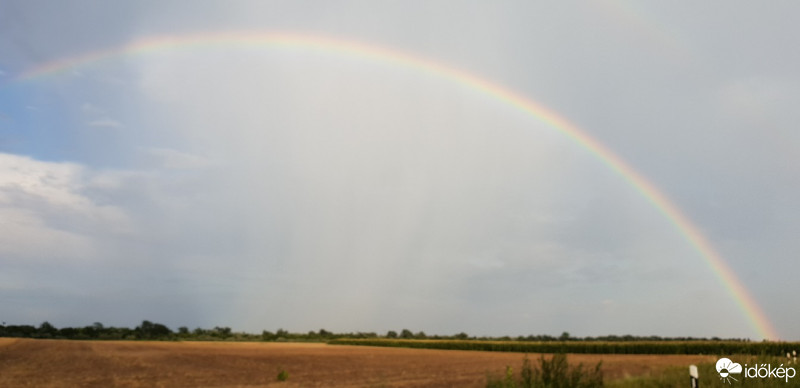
682	347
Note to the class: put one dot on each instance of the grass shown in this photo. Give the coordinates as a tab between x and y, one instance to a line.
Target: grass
557	373
679	376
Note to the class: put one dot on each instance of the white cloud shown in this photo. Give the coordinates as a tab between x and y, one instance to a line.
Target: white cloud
54	183
46	214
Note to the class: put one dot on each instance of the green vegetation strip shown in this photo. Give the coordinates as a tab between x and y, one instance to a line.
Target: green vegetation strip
590	347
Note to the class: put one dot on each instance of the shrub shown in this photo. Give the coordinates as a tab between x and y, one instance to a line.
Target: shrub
506	382
552	373
283	375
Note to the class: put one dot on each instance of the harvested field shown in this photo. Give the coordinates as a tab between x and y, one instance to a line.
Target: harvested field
60	363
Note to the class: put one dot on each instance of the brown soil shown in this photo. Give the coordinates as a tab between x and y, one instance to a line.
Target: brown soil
62	363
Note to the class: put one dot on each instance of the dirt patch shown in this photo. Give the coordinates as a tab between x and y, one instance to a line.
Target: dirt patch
59	363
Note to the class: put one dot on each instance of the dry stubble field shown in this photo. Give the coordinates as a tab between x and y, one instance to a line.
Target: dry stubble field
64	363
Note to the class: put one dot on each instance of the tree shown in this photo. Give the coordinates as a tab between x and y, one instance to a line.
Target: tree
161	331
406	334
391	334
150	330
90	331
145	327
223	332
68	332
564	336
46	330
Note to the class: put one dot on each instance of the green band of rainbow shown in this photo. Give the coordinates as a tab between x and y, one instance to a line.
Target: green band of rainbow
690	232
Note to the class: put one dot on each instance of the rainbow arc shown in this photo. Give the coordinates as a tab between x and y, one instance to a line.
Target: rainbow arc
691	233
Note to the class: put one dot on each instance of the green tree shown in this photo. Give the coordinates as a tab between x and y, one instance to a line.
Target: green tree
161	331
150	330
90	332
69	332
407	334
223	332
46	330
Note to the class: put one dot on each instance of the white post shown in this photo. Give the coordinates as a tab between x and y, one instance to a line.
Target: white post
693	376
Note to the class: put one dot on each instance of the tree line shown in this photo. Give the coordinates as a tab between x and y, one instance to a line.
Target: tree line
148	330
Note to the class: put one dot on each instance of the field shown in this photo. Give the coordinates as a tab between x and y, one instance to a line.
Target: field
590	347
59	363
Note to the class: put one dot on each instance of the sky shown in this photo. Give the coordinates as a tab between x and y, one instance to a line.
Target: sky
305	186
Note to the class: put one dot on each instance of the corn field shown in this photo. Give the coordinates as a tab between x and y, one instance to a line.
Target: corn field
592	347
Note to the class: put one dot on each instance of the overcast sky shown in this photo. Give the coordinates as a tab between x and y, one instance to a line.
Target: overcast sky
264	187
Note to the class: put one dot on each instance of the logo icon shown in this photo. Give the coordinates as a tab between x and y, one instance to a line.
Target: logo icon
726	367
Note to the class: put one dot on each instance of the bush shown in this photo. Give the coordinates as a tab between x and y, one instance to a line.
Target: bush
283	375
552	373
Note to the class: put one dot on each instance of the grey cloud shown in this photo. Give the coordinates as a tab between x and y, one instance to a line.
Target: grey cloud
251	180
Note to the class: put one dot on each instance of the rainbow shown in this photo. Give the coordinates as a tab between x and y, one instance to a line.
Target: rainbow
261	40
